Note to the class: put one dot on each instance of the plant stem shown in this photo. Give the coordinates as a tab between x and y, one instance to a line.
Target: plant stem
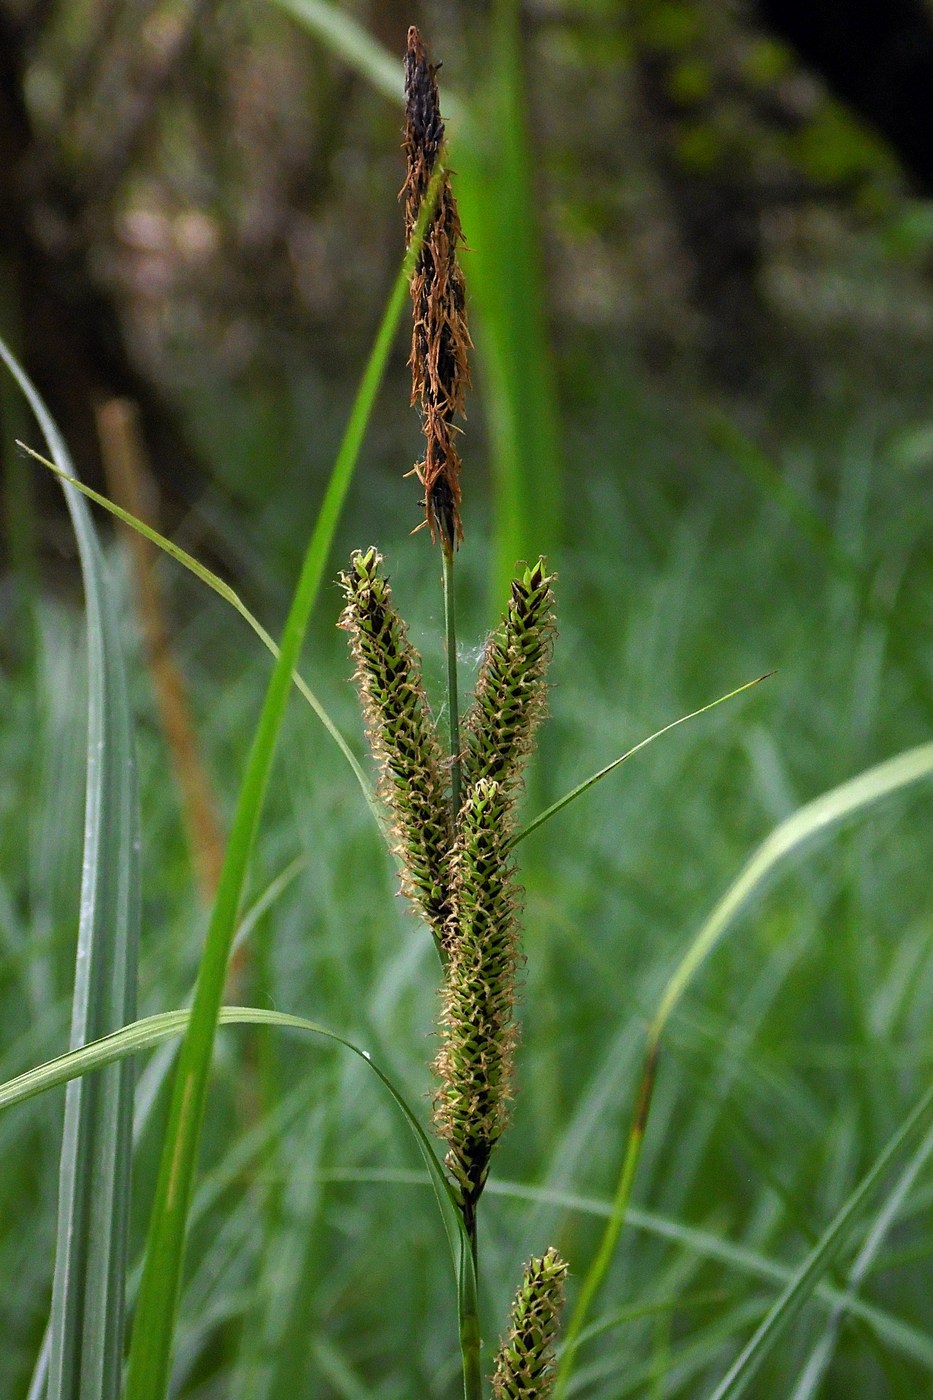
470	1337
453	705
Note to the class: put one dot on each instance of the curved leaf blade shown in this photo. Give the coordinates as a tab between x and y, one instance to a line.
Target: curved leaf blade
85	1340
815	818
150	1031
229	595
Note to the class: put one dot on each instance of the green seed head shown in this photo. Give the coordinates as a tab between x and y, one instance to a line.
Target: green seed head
401	735
475	1065
511	691
525	1363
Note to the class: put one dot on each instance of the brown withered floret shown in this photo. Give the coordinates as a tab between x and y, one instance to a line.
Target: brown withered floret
440	338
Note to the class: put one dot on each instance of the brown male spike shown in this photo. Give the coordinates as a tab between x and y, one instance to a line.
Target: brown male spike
440	338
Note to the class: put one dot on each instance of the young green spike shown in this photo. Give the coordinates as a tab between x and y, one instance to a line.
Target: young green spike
511	690
525	1362
402	737
475	1064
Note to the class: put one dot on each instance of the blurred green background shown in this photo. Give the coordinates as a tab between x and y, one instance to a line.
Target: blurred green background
700	261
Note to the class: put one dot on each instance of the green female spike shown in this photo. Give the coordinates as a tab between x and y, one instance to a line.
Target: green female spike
402	737
511	691
525	1363
478	1014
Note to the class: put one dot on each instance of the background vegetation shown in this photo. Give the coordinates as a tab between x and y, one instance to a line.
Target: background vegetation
701	301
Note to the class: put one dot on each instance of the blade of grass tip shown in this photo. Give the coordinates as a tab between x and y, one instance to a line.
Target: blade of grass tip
86	1321
788	1305
583	787
813	1372
229	595
817	817
154	1323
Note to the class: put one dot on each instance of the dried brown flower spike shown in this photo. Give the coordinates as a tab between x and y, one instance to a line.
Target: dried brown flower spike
440	338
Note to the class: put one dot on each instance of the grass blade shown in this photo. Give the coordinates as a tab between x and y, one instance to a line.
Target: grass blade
912	1341
229	595
493	158
817	817
85	1346
743	1370
154	1323
151	1031
347	38
594	778
811	1377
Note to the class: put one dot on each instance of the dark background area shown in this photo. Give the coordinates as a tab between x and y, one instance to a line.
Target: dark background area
197	211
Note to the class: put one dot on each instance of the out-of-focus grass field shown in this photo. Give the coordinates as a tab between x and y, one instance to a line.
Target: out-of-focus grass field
316	1263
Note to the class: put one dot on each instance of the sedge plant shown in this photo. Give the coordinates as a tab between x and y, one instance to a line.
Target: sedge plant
452	813
451	804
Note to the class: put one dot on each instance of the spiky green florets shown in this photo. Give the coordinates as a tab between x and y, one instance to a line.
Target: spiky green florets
402	736
477	1017
510	693
525	1363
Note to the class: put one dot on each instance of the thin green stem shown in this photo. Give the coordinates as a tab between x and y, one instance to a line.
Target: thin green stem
453	704
470	1336
600	1265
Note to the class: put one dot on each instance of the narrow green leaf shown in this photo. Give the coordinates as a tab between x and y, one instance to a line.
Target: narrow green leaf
583	787
154	1324
150	1031
493	158
786	1307
229	595
347	38
86	1322
817	817
811	1377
